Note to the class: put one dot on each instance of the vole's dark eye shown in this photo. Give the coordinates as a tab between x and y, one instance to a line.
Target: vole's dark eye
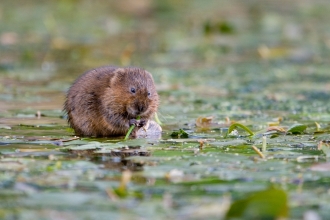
133	90
149	93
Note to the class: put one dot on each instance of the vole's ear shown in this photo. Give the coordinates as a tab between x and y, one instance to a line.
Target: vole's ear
120	72
118	75
149	74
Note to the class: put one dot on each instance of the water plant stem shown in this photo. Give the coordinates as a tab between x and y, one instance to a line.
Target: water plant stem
258	152
157	119
131	129
264	144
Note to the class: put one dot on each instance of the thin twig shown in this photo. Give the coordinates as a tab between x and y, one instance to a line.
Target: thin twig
258	152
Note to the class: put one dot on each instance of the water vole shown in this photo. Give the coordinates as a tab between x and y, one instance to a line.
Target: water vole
105	101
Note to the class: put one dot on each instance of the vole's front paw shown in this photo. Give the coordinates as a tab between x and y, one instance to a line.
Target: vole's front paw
141	122
138	123
133	122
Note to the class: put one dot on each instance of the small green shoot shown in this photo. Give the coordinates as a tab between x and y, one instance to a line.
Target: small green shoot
131	129
157	119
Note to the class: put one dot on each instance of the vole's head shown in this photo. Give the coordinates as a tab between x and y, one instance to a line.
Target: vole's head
134	91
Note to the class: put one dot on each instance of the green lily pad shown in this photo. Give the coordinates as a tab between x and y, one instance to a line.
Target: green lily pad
266	204
297	129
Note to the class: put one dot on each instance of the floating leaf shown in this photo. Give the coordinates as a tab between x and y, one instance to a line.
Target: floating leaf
187	140
93	145
86	149
179	134
297	129
276	128
123	152
267	204
203	182
204	122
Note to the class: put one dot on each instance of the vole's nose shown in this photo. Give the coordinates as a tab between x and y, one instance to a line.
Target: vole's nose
140	108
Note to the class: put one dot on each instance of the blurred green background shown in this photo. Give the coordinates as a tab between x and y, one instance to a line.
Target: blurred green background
216	47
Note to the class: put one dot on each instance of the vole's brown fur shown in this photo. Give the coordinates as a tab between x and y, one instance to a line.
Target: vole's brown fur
104	101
